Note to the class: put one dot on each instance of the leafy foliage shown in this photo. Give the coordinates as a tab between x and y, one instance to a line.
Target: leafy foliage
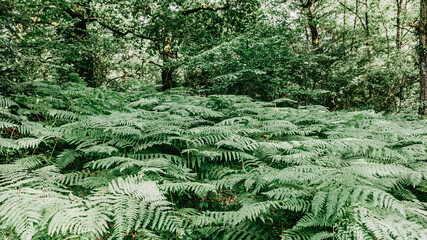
90	163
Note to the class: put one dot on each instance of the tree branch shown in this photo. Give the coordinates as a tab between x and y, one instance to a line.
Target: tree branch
414	25
124	33
408	29
351	10
149	61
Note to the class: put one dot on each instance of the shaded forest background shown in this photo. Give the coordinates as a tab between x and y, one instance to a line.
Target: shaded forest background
341	54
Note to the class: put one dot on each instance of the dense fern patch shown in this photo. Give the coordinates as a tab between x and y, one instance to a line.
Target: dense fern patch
83	163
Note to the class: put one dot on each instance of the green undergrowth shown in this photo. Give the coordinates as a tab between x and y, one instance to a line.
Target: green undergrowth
83	163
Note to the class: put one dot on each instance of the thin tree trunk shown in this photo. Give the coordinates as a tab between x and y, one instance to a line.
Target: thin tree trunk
398	24
422	34
367	18
387	37
423	91
345	15
354	24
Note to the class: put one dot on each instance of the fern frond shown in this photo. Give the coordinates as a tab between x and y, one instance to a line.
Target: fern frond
67	157
6	102
9	143
199	189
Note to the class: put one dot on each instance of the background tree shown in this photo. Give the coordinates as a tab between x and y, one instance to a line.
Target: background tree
309	7
175	28
421	28
356	64
350	54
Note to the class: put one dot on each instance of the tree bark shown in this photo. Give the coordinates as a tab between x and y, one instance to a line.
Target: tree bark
398	24
354	25
167	78
422	47
312	21
367	18
168	81
313	27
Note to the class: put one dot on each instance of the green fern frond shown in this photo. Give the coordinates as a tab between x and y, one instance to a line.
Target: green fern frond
144	103
9	143
62	114
77	218
6	102
6	123
31	162
100	149
29	142
199	189
67	157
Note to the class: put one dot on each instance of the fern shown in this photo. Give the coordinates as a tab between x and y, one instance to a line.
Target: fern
87	163
6	102
199	189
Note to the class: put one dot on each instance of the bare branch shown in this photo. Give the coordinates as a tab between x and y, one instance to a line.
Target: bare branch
351	10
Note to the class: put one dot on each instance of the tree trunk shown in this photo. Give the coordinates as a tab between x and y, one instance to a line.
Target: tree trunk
367	18
312	21
398	24
84	64
168	81
422	34
313	27
354	25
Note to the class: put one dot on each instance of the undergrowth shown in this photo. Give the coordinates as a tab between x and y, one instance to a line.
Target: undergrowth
83	163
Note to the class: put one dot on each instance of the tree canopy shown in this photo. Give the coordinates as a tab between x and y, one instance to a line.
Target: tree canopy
341	54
